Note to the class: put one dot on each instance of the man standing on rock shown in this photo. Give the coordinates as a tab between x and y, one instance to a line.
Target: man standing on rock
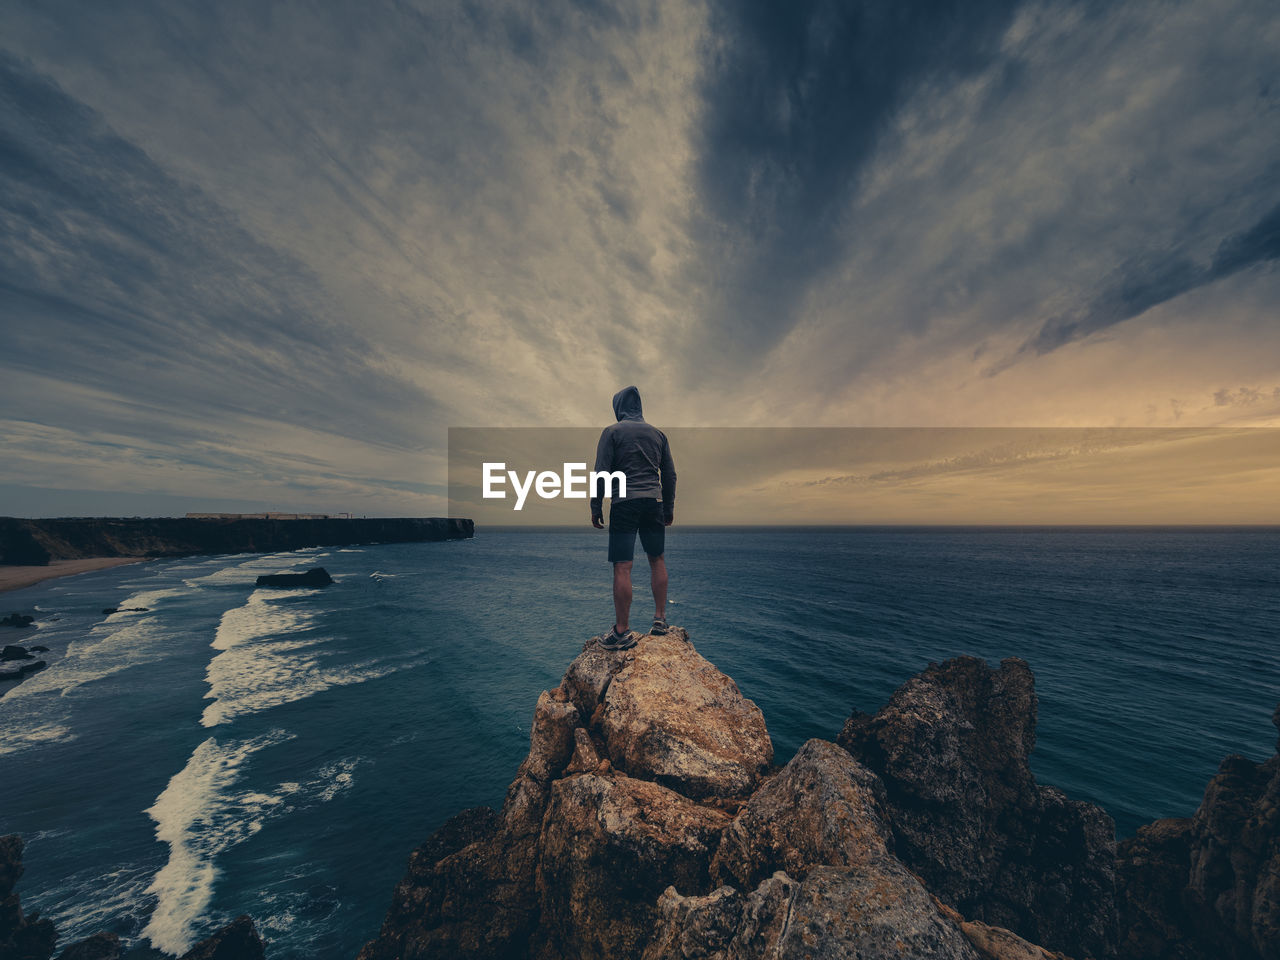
641	452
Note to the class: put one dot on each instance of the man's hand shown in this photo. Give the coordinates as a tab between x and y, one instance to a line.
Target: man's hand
597	522
669	520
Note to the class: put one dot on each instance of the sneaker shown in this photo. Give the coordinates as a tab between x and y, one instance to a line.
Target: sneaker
612	640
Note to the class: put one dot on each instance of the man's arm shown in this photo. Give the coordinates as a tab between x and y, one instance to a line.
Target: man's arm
604	463
668	483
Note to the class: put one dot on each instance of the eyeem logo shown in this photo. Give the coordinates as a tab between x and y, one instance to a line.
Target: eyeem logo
574	484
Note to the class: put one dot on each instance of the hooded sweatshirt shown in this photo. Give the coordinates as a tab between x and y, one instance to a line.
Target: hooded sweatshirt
639	450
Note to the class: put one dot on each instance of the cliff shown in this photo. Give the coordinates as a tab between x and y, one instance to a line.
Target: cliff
29	542
1208	886
649	821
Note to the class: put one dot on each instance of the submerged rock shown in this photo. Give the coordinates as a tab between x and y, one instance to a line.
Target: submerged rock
238	940
100	946
952	747
19	620
21	669
315	577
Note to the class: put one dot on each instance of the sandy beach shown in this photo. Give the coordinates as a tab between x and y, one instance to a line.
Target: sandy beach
17	577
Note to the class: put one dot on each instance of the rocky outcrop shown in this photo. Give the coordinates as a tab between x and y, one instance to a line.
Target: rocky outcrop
36	542
100	946
315	577
16	662
1208	886
19	620
647	821
592	829
952	749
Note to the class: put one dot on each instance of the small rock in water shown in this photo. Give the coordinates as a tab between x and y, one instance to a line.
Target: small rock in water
315	577
17	620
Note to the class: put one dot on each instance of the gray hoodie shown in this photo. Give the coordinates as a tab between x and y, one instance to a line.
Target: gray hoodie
639	450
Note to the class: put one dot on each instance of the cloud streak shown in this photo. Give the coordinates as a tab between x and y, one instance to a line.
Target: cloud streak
284	249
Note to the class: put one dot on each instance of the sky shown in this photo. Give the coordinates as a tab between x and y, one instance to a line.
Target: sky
263	256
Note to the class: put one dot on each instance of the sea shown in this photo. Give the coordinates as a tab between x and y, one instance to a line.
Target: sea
226	749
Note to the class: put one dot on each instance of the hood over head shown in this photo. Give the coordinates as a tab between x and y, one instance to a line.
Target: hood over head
626	404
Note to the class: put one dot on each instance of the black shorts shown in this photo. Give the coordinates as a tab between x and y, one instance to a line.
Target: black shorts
626	518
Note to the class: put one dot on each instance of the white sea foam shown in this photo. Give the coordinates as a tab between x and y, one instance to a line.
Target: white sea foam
246	680
86	903
200	815
16	739
259	617
266	659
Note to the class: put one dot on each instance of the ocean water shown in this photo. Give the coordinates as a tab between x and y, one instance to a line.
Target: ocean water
233	749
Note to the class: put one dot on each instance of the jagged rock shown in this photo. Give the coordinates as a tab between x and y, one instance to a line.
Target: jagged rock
1151	882
13	652
875	911
952	748
101	946
823	808
315	577
609	846
585	755
38	648
997	943
1208	886
672	717
18	620
238	940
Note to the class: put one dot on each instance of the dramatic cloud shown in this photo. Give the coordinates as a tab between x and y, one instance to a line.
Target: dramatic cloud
267	254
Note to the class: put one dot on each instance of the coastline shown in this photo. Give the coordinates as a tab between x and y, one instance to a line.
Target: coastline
15	576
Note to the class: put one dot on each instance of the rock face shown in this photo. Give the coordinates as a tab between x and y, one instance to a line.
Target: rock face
647	821
952	748
315	577
878	911
823	808
1208	886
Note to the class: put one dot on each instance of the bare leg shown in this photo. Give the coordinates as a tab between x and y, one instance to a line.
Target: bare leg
622	595
658	580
